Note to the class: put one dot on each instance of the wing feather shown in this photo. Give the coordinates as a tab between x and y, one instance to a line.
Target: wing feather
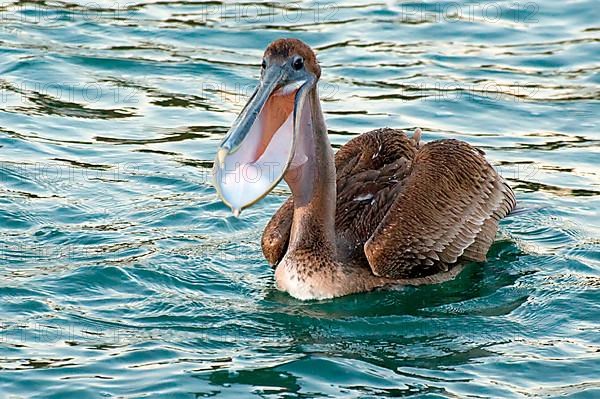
276	234
408	209
369	172
449	207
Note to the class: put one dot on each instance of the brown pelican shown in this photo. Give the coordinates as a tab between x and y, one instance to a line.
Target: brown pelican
386	210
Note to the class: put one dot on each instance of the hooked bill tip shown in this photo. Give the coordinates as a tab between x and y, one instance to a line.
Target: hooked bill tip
236	212
221	154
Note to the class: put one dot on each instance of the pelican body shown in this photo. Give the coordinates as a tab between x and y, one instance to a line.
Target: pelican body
386	210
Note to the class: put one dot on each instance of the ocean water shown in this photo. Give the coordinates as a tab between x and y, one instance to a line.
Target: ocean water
123	276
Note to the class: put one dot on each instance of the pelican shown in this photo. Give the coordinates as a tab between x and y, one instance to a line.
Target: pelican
387	210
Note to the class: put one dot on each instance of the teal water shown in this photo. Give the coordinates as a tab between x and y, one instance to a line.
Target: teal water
122	276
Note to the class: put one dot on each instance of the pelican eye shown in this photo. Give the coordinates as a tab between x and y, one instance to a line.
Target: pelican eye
298	63
264	64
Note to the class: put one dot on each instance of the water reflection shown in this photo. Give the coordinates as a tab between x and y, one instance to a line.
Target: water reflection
123	275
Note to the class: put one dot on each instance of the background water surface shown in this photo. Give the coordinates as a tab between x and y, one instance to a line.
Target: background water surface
121	275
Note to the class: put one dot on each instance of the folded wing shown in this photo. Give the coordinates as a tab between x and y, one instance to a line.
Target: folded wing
449	207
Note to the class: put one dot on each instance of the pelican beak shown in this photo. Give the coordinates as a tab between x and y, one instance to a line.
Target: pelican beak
258	149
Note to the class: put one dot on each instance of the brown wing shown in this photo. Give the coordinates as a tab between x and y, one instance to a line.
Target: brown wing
370	169
449	206
277	233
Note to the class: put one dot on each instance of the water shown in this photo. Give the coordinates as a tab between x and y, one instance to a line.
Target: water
122	275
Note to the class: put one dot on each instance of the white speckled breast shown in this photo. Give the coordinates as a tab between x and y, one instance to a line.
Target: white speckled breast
306	288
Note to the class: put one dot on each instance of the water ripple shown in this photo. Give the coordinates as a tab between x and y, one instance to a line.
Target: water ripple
121	275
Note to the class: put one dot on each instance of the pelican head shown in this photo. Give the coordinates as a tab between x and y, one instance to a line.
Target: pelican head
262	143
